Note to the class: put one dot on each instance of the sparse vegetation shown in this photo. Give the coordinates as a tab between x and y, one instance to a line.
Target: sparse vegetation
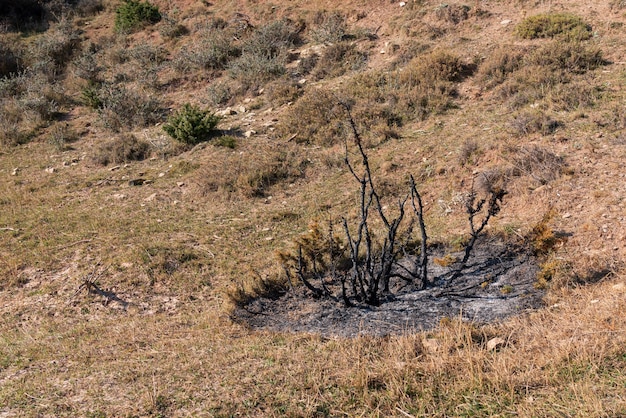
120	246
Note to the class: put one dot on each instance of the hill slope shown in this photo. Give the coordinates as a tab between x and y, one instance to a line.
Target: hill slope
120	246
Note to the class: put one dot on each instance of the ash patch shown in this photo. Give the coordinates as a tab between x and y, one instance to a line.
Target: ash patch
498	282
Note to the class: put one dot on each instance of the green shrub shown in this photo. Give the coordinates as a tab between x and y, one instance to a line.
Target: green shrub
133	15
562	25
191	124
90	96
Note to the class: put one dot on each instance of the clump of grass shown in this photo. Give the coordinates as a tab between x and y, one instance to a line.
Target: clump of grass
191	125
122	149
134	15
61	135
536	162
574	57
499	65
339	58
452	13
562	25
251	174
314	118
548	69
329	27
526	123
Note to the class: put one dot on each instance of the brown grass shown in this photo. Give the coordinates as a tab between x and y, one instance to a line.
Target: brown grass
208	220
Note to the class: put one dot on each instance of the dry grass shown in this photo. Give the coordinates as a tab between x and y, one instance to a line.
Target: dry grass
209	220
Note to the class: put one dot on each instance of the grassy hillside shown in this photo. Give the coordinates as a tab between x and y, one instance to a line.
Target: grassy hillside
121	246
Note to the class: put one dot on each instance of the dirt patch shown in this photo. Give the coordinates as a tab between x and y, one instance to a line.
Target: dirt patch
497	283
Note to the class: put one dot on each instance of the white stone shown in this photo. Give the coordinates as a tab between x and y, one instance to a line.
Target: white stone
495	343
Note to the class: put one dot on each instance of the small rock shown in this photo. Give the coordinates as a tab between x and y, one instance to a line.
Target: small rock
619	286
302	81
227	112
161	174
15	171
249	133
150	198
567	215
505	22
51	170
66	163
136	182
495	344
242	109
180	184
431	345
402	3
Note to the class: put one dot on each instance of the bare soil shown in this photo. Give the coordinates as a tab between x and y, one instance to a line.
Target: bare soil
498	282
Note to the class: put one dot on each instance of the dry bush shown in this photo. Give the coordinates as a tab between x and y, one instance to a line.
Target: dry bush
122	149
282	91
89	7
574	57
314	118
380	100
452	13
53	50
575	95
499	65
526	123
250	174
124	108
339	58
213	49
170	28
427	84
9	61
86	66
219	92
562	25
23	15
468	152
13	129
328	27
618	4
265	53
536	162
